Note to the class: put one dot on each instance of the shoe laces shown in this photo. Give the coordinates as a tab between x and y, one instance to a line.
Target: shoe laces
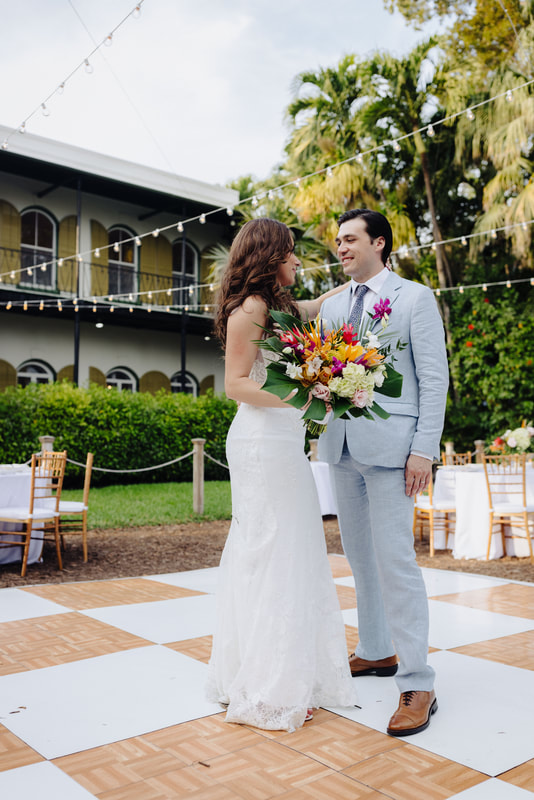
407	698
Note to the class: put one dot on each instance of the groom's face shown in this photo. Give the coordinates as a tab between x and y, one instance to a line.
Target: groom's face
360	256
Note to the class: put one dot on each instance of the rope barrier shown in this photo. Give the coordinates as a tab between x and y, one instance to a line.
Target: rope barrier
141	469
216	462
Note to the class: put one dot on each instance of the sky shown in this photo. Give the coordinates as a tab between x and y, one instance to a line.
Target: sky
197	88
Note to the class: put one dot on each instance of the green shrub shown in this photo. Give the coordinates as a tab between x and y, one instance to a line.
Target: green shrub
125	431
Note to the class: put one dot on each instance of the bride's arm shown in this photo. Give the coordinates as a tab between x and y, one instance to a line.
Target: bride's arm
310	308
242	329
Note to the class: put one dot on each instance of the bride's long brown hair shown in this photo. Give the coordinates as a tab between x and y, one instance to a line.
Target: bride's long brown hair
256	253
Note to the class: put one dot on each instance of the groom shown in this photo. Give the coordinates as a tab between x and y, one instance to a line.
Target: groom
378	466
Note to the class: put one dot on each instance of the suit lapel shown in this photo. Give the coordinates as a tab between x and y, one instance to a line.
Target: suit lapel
390	290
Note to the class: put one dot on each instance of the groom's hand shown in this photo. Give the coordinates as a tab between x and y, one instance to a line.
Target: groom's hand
417	474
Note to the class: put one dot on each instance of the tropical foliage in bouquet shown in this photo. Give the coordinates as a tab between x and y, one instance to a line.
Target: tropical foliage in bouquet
337	370
518	440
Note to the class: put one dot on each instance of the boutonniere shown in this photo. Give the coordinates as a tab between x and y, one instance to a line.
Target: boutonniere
382	310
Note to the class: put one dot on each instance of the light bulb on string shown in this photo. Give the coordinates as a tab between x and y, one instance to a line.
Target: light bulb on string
254	201
8	306
29	271
430	131
484	288
12	274
41	305
229	211
469	114
110	298
116	247
44	110
112	309
296	183
508	284
4	144
155	233
524	225
150	295
130	310
396	146
464	241
136	13
167	309
59	305
79	258
186	308
202	219
94	309
61	88
169	292
532	281
359	158
43	267
108	41
97	253
60	262
138	241
180	228
461	289
130	298
25	306
509	96
88	67
438	292
149	309
494	234
270	194
329	172
22	128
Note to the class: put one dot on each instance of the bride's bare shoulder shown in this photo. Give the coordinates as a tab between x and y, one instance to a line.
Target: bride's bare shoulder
252	306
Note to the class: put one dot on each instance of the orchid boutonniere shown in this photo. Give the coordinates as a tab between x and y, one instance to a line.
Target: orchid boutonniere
382	310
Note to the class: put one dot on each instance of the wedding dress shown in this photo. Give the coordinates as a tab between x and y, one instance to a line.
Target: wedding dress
279	646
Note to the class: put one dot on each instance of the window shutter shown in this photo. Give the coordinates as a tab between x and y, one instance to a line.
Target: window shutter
9	241
97	376
67	273
99	264
8	375
156	268
154	381
66	373
206	383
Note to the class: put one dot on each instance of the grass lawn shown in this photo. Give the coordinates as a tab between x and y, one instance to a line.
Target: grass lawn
153	504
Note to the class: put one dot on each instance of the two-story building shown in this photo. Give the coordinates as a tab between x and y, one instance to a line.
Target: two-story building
104	269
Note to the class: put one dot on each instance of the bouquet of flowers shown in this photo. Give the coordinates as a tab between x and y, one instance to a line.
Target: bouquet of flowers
336	372
513	441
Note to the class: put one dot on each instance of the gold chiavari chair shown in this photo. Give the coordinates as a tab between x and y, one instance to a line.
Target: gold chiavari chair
507	493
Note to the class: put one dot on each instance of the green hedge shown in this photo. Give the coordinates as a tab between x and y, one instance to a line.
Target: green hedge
123	430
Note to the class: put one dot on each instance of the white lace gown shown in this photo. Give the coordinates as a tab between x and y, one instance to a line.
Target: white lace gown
279	646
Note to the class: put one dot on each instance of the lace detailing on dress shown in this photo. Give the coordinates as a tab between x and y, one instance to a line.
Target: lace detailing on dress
258	373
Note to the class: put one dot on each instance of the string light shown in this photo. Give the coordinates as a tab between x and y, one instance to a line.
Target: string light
155	233
464	241
44	110
202	219
88	67
25	305
41	305
229	211
508	284
180	227
484	287
430	130
108	41
329	172
138	241
509	96
494	234
396	146
469	114
254	201
97	252
8	307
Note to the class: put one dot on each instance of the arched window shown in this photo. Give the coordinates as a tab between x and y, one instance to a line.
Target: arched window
122	262
122	379
35	372
189	386
184	273
37	249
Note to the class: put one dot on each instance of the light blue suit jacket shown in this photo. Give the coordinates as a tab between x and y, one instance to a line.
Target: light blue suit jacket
416	420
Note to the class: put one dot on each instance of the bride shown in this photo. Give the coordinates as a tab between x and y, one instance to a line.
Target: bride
279	647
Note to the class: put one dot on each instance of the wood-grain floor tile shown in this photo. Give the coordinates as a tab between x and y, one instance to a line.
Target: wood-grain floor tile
203	739
96	594
58	639
334	787
199	648
409	773
516	650
352	638
338	742
14	752
346	596
339	566
509	598
521	776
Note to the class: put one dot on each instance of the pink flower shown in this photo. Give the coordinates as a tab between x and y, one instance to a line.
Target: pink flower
382	309
321	392
360	398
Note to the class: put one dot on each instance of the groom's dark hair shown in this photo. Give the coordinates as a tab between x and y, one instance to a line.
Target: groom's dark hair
376	224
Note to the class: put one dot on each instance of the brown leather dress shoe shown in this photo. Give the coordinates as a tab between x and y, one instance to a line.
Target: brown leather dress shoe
383	667
413	714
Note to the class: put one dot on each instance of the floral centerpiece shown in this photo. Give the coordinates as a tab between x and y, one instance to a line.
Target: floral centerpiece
332	372
518	440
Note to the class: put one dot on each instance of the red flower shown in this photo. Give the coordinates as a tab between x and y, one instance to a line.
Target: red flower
471	326
469	344
486	299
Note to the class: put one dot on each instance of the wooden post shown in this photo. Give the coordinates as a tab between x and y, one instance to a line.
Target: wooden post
198	475
449	448
313	449
47	442
479	450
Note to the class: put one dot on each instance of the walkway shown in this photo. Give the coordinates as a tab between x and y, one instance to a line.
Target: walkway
101	695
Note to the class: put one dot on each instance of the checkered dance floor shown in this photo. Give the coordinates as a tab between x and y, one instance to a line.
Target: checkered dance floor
101	695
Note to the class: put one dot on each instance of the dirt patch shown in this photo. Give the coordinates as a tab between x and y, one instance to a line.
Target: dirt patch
153	550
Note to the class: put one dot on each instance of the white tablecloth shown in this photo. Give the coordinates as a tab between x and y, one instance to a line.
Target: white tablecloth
15	484
327	498
468	492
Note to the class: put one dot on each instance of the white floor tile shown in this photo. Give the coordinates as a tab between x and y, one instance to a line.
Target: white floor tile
484	719
494	789
17	604
453	625
42	781
96	701
347	581
441	581
162	621
200	580
350	616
